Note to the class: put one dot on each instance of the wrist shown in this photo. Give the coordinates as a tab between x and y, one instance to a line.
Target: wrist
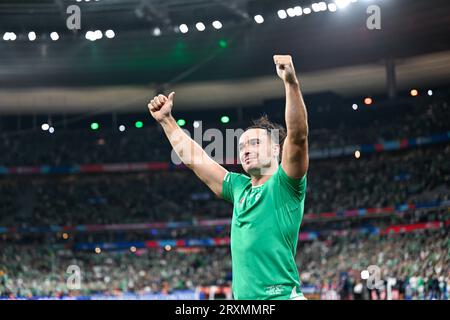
292	83
167	121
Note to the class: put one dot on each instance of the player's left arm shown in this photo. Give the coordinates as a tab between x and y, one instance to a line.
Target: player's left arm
295	158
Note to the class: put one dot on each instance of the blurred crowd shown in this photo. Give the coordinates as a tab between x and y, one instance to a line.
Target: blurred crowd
378	180
330	268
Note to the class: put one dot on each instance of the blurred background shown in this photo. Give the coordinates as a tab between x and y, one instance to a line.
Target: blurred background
86	177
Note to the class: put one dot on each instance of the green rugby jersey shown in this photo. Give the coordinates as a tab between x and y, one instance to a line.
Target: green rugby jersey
264	234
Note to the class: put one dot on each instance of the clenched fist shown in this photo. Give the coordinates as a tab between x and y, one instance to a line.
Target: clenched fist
161	106
285	68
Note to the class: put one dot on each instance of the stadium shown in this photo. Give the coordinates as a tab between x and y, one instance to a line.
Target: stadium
96	205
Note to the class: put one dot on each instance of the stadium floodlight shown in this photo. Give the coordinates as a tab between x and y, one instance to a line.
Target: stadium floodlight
90	35
282	14
223	43
110	34
298	11
332	7
307	10
259	19
342	4
32	35
156	32
217	24
45	126
315	7
224	119
54	36
183	28
322	6
291	12
200	26
98	34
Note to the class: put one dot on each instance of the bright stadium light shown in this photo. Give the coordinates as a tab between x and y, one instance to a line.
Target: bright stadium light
183	28
98	34
217	24
342	4
315	7
368	101
54	36
156	32
282	14
90	35
224	119
322	6
291	12
259	19
332	7
110	34
9	36
298	11
32	35
45	126
200	26
307	10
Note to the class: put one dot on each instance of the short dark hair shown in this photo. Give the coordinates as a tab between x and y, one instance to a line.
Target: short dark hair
263	122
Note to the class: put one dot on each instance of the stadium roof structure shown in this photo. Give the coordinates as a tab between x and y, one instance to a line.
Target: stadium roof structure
149	50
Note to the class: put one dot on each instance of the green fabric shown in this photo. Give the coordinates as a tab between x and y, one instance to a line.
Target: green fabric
264	234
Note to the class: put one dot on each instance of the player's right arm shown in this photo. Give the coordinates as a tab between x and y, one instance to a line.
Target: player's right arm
190	153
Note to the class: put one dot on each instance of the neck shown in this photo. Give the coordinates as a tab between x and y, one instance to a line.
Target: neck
258	180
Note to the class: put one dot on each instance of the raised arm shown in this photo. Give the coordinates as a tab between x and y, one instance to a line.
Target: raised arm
190	153
295	158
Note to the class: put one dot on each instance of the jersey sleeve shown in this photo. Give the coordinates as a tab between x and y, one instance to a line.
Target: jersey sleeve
295	187
232	184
